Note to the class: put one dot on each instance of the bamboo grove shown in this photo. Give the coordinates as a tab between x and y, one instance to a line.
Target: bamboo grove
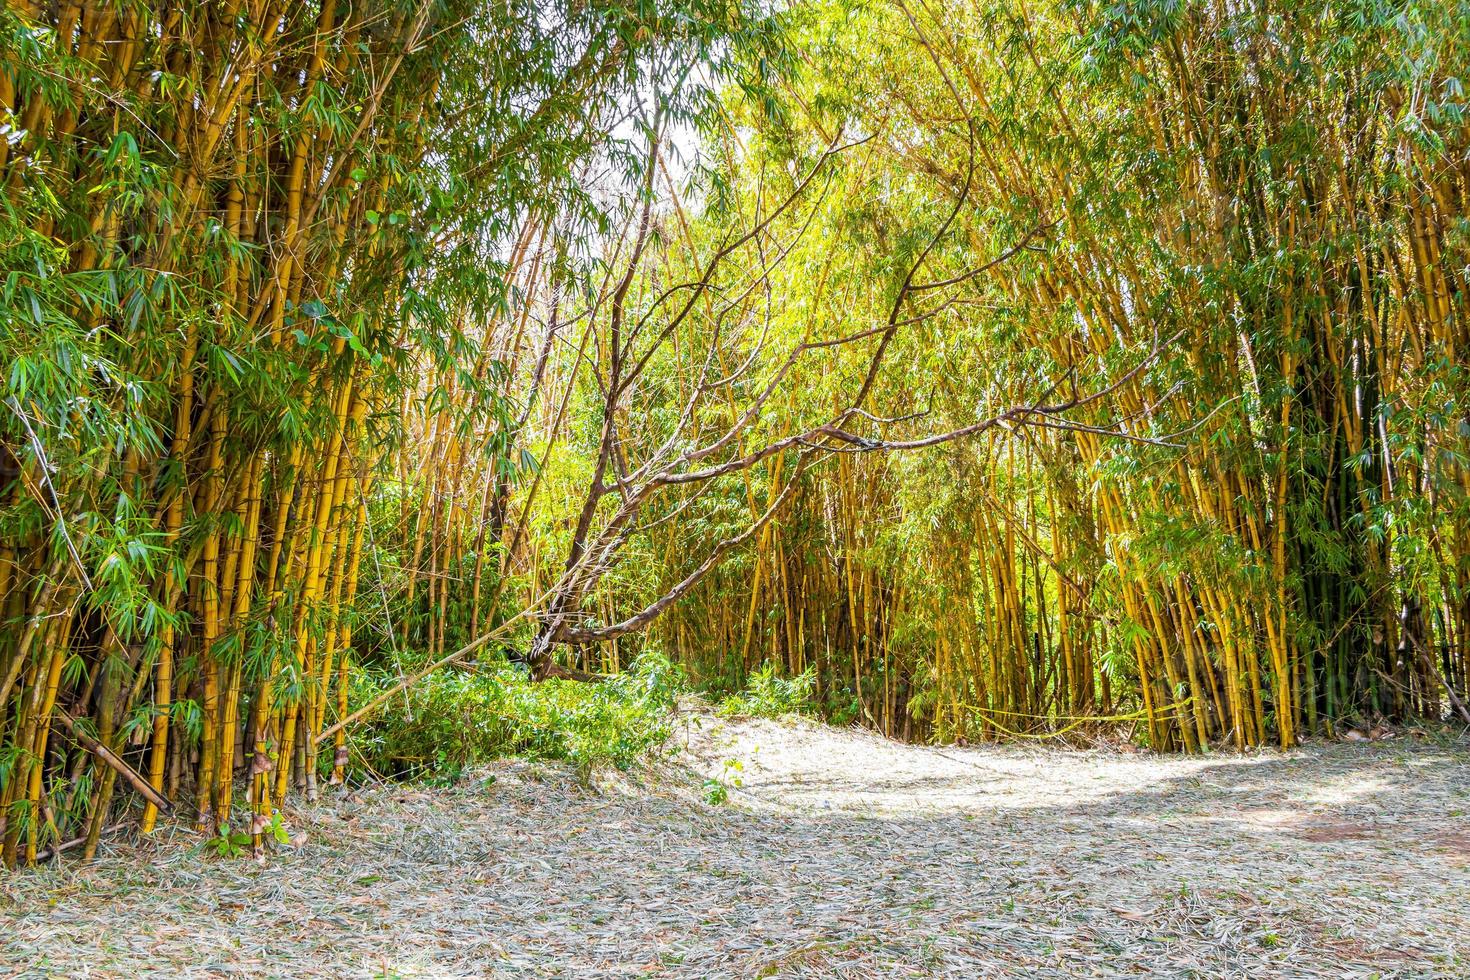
1250	239
219	226
1018	369
1289	204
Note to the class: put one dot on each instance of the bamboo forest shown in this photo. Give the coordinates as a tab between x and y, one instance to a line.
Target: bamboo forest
827	488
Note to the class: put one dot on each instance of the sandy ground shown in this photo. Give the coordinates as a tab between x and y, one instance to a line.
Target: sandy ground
838	854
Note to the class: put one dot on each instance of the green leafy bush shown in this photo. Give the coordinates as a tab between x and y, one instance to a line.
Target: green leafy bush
769	695
456	719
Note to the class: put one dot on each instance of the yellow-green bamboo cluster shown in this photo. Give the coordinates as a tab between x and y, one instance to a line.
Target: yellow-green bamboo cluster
247	244
1265	533
195	178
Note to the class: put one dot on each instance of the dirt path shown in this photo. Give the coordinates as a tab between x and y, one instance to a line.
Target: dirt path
840	855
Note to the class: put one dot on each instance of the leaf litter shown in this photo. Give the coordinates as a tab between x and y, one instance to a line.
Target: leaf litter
837	853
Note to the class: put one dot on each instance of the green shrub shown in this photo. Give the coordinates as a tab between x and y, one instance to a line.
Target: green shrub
456	719
769	695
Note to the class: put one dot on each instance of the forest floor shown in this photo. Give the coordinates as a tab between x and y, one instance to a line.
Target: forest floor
839	854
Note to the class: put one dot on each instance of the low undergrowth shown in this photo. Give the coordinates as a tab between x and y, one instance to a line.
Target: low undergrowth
457	719
769	695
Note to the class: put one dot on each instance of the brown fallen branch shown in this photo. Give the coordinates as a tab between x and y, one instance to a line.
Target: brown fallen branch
58	849
115	761
570	674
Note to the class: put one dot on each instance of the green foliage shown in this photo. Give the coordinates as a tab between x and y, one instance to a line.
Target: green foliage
769	695
227	843
460	718
716	789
